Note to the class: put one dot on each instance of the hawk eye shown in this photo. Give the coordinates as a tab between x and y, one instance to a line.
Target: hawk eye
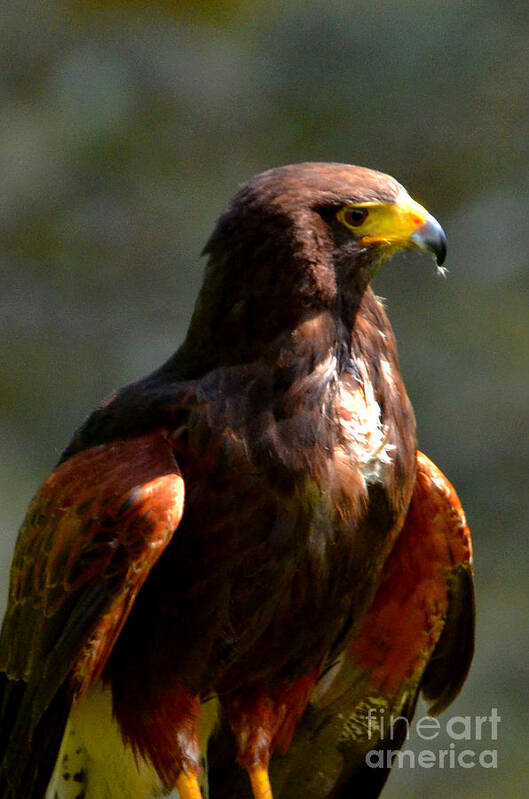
354	216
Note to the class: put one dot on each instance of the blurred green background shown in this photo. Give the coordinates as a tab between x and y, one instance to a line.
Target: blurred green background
124	129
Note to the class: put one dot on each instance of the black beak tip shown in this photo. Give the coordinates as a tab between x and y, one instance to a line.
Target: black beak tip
439	248
430	237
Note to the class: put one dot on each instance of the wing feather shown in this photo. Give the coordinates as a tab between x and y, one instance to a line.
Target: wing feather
90	538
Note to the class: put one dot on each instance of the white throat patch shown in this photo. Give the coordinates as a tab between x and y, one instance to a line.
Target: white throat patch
360	419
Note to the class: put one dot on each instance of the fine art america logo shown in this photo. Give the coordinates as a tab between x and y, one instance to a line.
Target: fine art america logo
470	741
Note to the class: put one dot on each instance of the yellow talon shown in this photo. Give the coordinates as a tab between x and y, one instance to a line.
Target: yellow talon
261	787
188	786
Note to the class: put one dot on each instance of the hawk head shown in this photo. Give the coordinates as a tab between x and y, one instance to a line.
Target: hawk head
299	240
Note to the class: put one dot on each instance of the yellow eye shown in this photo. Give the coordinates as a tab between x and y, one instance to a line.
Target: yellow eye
353	217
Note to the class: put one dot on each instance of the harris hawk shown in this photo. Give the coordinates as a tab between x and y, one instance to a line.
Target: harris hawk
247	537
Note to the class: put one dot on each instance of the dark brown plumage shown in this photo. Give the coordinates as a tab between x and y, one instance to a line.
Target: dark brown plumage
416	637
285	416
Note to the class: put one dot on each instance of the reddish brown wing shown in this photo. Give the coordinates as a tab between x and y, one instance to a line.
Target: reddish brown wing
417	635
424	599
89	540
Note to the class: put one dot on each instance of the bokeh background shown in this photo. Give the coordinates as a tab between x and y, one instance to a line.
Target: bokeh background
124	128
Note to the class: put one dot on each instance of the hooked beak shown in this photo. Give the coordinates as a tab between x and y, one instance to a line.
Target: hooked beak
401	225
430	237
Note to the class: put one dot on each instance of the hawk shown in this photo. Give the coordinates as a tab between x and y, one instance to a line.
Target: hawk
247	537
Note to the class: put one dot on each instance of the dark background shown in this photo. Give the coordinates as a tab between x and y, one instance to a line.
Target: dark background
124	131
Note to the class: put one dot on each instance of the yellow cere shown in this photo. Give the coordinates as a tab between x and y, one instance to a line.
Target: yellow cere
385	223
